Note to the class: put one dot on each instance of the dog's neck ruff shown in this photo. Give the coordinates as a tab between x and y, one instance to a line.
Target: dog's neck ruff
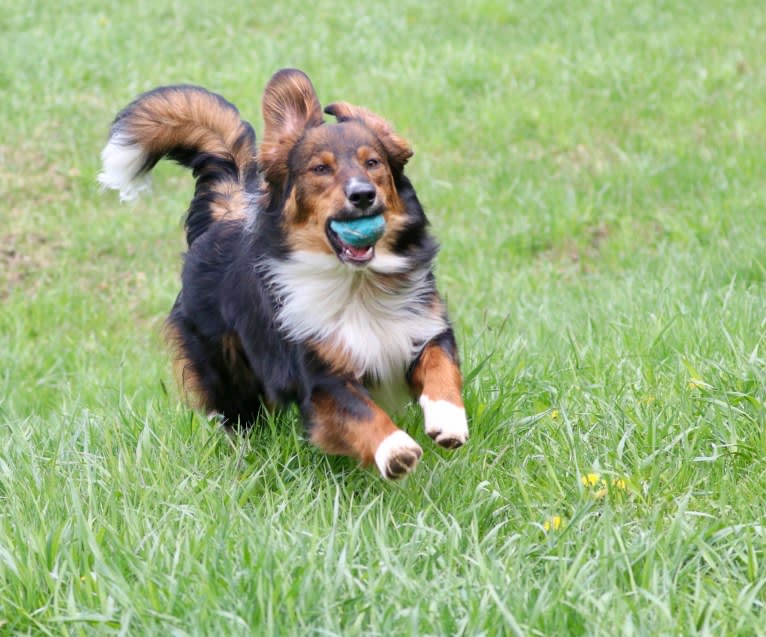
378	322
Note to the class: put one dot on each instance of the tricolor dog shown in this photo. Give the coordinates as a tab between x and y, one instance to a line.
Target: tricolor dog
309	272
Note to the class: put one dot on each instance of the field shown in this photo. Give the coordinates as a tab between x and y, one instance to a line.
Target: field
595	172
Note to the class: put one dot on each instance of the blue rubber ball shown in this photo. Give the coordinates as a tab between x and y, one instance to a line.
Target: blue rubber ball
359	232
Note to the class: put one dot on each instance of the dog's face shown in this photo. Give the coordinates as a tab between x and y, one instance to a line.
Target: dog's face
329	174
339	173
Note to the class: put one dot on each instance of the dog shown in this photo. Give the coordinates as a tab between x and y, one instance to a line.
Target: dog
280	302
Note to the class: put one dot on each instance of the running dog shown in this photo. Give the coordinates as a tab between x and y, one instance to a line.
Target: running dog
309	271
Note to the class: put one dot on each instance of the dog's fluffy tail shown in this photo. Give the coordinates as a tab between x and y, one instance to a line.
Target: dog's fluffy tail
194	127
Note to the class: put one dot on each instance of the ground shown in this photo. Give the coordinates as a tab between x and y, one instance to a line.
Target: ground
595	173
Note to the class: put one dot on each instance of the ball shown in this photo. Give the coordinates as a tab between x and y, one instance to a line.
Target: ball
361	232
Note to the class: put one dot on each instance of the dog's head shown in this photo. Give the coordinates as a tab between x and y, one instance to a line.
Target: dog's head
329	176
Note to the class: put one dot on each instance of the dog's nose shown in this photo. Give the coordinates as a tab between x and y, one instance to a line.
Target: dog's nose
360	194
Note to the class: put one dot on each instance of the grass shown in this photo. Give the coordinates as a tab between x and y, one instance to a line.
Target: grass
595	175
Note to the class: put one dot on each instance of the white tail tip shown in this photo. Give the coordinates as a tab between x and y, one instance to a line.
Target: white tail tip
122	162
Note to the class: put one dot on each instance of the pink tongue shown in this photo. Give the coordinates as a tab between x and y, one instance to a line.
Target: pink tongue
357	253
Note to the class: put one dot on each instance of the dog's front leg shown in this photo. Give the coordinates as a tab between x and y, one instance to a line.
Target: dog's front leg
343	420
436	382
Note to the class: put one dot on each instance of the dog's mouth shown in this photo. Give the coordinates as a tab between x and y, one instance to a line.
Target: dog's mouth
354	239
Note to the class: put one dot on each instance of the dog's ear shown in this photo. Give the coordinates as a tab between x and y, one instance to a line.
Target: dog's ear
290	106
397	148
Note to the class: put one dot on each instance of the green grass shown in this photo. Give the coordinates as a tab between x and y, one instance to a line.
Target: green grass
595	173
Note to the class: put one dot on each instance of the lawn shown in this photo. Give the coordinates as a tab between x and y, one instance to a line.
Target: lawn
595	172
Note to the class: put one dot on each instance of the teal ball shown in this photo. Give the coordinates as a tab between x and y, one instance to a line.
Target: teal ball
359	233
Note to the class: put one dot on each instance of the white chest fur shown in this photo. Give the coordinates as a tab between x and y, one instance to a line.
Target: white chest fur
356	311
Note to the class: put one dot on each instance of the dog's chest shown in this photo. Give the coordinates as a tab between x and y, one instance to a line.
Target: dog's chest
355	319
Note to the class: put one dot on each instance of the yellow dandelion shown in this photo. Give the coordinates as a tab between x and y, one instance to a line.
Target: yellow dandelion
620	483
590	479
554	414
553	524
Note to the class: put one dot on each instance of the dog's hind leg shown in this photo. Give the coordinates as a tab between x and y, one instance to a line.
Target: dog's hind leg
436	382
343	420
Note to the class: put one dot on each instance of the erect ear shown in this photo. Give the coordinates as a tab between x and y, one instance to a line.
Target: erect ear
397	148
290	106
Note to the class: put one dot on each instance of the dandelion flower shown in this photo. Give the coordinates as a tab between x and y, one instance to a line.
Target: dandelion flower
553	524
590	479
620	483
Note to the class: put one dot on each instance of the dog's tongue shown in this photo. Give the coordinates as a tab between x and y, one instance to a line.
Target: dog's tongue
357	252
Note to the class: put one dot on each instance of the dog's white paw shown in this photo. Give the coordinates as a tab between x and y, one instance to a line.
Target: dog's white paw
397	455
445	422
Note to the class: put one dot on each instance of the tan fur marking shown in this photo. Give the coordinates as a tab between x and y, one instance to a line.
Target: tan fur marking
305	228
336	435
187	378
437	376
230	202
234	355
194	118
338	358
396	220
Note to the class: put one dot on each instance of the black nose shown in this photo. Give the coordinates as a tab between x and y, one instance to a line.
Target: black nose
360	193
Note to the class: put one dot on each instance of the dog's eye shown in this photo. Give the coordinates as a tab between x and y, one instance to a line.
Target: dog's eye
372	163
321	169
